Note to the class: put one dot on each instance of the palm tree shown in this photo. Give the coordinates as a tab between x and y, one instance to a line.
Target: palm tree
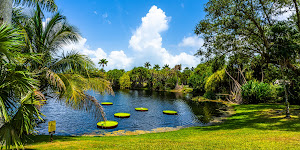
6	7
67	74
41	73
18	97
166	66
147	65
103	62
176	69
156	67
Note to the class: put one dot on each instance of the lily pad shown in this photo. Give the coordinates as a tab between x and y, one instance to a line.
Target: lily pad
141	109
170	112
106	103
107	124
122	115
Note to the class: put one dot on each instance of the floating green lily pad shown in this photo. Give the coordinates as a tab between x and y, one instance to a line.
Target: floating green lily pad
170	112
107	124
141	109
122	115
106	103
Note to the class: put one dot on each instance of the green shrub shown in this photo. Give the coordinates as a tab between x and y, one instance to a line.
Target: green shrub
255	92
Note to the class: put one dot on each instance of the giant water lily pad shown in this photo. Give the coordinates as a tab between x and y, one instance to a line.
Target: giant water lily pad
106	103
122	115
141	109
107	124
170	112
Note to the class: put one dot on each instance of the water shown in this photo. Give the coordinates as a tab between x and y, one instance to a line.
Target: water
75	122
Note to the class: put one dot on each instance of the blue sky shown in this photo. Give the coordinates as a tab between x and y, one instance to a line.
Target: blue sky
114	29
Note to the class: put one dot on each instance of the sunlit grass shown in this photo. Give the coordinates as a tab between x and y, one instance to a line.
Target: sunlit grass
251	127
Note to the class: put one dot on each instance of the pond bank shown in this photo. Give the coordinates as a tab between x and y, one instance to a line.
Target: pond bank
251	127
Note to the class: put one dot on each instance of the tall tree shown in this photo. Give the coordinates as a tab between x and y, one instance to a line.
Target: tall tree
103	62
147	65
166	66
65	77
177	68
240	26
7	5
156	67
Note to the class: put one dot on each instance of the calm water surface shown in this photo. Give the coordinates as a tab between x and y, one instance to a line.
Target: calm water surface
75	122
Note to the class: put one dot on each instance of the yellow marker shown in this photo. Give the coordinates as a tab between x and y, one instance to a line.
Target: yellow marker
51	126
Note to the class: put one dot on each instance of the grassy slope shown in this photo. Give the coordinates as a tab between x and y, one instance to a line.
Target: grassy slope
252	127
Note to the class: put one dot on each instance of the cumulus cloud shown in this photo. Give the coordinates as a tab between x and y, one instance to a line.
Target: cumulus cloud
191	41
146	41
116	59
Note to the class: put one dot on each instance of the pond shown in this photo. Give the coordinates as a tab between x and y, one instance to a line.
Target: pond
76	122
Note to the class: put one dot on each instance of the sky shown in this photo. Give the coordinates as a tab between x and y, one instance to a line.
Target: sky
129	33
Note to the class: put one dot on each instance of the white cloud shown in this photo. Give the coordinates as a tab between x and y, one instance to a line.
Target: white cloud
95	12
287	13
191	41
116	59
147	42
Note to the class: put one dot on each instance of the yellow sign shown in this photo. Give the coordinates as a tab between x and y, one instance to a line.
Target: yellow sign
51	126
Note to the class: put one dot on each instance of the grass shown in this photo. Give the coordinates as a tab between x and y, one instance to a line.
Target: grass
251	127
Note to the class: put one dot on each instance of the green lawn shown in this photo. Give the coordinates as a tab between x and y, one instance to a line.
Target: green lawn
251	127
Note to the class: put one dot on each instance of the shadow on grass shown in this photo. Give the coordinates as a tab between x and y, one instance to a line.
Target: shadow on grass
31	139
261	116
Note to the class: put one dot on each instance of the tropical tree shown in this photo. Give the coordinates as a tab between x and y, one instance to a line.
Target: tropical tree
125	82
114	75
166	66
6	7
103	62
147	65
65	77
156	67
18	94
241	27
138	76
177	68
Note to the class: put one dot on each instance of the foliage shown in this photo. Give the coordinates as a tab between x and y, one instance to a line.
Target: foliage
103	62
31	72
198	79
209	95
214	81
19	98
125	82
138	76
255	92
113	76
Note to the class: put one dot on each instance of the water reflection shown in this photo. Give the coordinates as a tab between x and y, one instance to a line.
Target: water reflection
72	122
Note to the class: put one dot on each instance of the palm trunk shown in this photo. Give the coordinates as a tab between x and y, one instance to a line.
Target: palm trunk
5	11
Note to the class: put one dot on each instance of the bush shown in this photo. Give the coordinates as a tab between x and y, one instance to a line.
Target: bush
255	92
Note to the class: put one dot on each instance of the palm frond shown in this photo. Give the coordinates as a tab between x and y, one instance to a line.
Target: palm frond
75	96
23	121
10	40
72	62
49	5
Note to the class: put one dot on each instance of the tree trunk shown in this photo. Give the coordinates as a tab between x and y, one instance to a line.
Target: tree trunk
286	95
5	11
297	13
